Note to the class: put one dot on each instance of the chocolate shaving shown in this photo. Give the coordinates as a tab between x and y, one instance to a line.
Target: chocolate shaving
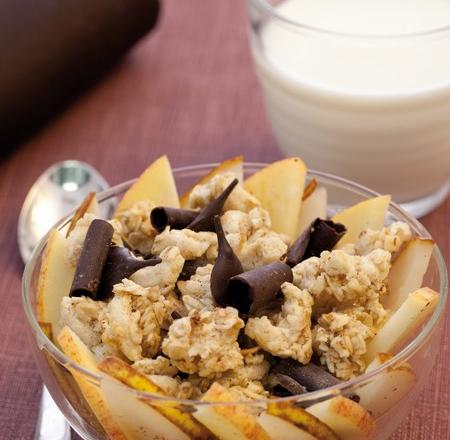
283	385
121	263
92	259
176	315
190	267
227	265
311	376
321	235
176	218
245	342
257	290
205	219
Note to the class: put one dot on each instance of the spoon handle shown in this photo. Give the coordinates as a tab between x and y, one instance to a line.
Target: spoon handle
51	424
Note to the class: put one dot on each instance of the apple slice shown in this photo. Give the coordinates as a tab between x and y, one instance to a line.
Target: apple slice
407	271
89	204
279	188
55	279
285	421
234	165
368	214
315	205
404	322
228	422
156	183
78	352
387	389
345	417
170	410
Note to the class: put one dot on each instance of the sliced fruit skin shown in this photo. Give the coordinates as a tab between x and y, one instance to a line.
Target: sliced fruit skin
156	183
302	419
407	271
67	383
228	422
403	323
138	420
279	188
89	204
126	374
309	189
77	351
280	429
315	206
55	279
368	214
387	389
234	165
349	420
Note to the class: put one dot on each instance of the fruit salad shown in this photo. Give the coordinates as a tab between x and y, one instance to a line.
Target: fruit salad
237	291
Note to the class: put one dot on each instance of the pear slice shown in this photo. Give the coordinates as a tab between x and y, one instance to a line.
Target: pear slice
388	388
138	420
67	383
314	206
228	422
89	204
156	183
55	279
285	421
47	328
78	352
279	188
407	271
280	429
404	322
126	374
368	214
234	165
345	417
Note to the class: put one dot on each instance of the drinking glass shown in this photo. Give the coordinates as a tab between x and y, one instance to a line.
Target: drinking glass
372	106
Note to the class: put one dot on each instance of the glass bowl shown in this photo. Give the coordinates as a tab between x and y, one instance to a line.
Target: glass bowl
138	414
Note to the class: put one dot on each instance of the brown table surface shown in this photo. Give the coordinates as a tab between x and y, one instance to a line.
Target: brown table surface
188	91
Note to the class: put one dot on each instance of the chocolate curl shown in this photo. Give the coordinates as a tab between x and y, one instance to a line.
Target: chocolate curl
92	259
120	263
176	218
257	290
190	267
227	265
283	385
310	376
321	235
205	219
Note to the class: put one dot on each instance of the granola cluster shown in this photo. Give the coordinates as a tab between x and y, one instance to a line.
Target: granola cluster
169	328
286	334
76	238
205	342
239	199
135	227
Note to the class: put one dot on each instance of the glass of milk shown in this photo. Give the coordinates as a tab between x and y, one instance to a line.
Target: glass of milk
361	89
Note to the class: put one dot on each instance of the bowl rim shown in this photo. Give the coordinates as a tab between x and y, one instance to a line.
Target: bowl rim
267	8
409	350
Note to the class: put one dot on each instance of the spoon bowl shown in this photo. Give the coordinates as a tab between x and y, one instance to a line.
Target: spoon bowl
57	191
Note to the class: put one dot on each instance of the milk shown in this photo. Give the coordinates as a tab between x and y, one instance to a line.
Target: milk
373	108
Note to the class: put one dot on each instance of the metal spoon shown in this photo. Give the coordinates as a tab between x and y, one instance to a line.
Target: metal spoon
57	192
